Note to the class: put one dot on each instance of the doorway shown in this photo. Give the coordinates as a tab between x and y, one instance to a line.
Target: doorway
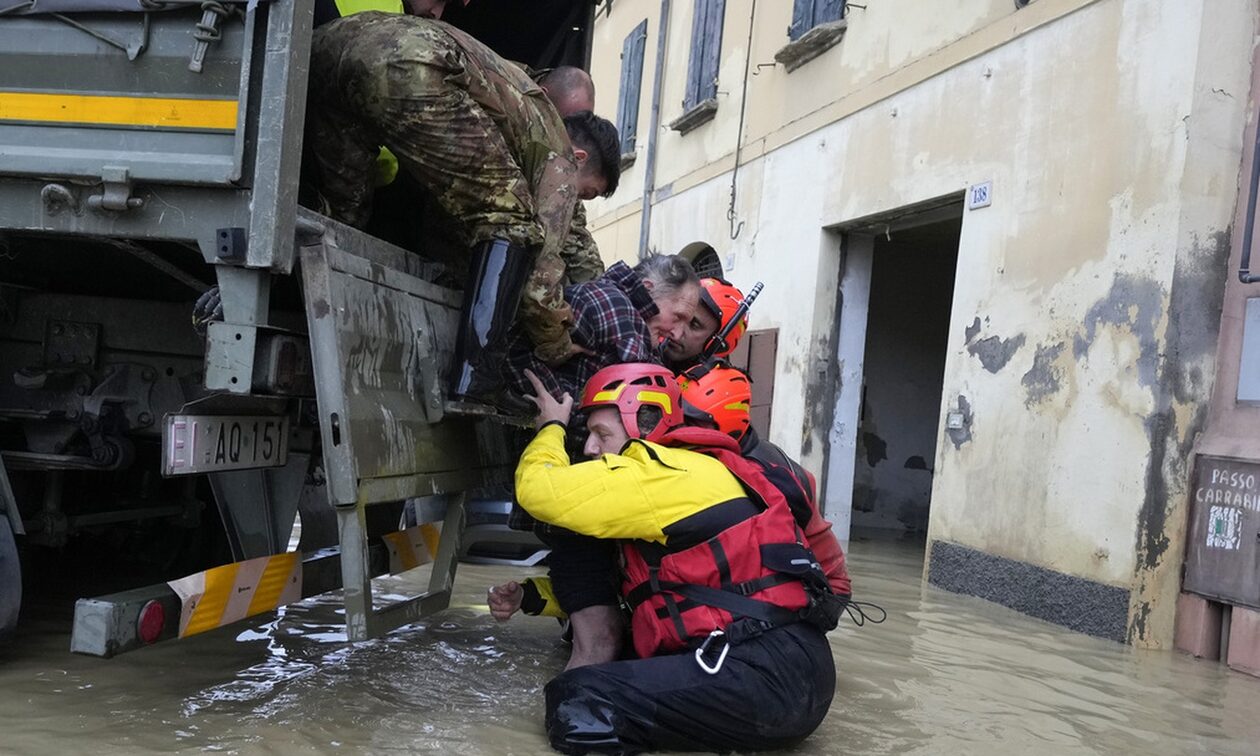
893	326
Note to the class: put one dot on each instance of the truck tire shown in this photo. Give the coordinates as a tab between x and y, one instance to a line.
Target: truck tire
10	578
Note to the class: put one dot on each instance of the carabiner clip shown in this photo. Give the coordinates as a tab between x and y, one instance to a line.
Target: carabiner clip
705	647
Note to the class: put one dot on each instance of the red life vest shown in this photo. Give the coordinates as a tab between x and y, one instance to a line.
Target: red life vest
798	486
681	596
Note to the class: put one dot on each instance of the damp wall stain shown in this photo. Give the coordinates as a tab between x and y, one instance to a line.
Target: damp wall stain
972	330
1190	341
1132	304
995	352
1043	379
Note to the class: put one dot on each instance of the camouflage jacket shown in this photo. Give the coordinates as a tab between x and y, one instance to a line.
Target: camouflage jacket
376	69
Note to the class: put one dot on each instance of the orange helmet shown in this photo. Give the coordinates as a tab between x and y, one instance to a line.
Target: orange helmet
722	299
632	386
719	394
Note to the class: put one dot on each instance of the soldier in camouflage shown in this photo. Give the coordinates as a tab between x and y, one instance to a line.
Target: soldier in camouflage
479	135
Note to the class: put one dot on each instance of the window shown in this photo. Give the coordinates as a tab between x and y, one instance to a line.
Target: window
706	48
707	264
631	88
700	99
817	25
806	14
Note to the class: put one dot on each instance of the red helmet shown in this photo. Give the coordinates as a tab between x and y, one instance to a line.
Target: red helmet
719	394
722	299
634	385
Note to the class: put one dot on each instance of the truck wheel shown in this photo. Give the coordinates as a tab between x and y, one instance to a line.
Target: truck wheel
10	578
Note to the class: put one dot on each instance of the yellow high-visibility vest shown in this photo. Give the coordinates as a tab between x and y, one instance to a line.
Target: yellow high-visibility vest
350	7
386	164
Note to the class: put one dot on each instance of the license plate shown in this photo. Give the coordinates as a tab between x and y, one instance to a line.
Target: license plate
214	443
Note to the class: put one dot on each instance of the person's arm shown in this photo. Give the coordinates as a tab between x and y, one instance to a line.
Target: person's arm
540	599
603	498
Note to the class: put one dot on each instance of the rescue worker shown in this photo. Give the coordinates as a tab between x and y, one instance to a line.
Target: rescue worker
581	581
479	135
719	300
718	397
728	605
620	317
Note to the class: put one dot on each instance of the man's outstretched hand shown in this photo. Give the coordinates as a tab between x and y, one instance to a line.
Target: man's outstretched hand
549	410
504	600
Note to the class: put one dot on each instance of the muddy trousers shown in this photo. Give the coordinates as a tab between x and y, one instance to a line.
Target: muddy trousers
771	692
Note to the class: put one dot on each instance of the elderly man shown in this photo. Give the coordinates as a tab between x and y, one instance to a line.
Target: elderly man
622	316
483	139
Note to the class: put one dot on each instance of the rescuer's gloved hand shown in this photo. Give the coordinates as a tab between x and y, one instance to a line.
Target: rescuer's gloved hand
208	309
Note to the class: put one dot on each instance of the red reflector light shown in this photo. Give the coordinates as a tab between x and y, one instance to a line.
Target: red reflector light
152	619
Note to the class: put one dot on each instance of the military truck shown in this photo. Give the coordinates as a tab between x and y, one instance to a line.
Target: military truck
150	150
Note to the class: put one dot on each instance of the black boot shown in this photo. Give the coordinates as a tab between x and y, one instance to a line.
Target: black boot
496	278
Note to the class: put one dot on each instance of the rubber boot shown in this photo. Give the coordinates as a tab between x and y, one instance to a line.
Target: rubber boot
496	278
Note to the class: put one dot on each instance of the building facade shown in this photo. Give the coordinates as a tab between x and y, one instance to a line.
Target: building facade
995	238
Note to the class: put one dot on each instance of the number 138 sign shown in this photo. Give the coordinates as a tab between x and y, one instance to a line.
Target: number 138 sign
980	195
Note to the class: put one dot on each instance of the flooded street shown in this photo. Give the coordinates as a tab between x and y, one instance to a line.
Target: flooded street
944	674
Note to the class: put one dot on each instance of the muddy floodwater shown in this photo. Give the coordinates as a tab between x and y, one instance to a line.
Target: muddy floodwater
945	674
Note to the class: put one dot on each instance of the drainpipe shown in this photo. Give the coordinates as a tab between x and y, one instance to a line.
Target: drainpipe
1249	227
649	179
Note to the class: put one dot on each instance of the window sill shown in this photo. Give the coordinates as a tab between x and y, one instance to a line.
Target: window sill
627	159
699	114
812	43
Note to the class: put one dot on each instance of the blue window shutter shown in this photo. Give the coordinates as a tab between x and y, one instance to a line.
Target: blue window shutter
623	89
631	86
706	51
695	60
802	18
828	10
712	49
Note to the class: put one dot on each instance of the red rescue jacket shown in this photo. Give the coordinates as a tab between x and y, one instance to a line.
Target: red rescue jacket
797	485
680	595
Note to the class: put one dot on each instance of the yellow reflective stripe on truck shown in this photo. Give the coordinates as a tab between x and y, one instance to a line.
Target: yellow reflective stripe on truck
110	110
222	595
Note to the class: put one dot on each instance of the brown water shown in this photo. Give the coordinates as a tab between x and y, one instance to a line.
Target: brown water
945	674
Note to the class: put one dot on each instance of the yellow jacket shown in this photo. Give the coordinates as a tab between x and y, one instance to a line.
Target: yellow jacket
648	491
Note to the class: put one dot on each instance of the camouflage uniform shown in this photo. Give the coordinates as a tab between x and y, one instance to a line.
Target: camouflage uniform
471	128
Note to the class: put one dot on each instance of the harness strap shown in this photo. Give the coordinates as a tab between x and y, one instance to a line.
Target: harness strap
654	585
735	604
723	566
645	590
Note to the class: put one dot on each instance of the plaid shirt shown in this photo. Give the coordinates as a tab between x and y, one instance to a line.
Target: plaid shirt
610	316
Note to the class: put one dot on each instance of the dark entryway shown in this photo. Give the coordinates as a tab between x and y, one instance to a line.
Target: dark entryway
912	283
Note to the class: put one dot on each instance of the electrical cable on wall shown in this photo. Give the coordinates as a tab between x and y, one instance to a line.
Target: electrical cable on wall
739	133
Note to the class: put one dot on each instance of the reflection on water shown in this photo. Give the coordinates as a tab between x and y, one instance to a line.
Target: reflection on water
944	674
